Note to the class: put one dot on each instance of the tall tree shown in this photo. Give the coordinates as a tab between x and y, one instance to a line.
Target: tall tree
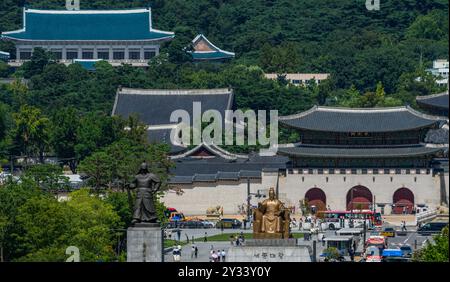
31	132
65	123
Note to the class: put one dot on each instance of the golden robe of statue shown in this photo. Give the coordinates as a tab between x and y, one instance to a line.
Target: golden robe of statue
271	209
271	218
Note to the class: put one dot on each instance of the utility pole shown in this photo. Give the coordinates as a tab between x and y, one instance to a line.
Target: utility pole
364	229
278	184
248	199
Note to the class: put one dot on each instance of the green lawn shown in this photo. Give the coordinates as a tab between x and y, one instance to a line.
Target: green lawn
170	243
226	236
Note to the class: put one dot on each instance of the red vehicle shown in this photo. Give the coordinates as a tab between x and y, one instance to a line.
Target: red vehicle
342	219
374	247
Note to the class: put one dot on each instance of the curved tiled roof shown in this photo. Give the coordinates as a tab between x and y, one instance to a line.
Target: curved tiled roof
88	25
214	54
155	107
359	120
437	136
436	100
368	152
190	169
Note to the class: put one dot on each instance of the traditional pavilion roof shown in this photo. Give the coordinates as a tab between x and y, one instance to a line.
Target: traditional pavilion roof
88	25
358	152
154	107
437	136
205	50
218	164
359	120
436	100
162	135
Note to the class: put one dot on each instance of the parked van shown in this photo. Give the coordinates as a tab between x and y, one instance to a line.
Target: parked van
432	228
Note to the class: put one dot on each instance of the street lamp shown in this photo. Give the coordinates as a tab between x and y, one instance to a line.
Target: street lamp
249	197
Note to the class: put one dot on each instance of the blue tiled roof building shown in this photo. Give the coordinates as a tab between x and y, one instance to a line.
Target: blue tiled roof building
112	35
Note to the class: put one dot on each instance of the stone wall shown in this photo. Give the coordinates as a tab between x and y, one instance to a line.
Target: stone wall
293	187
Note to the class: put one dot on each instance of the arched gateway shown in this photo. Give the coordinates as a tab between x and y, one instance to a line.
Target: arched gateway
359	197
403	200
316	197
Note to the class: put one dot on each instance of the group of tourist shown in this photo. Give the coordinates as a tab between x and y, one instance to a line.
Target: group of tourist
237	240
217	256
194	251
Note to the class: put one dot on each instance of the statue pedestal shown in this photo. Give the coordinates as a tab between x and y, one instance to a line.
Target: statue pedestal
269	250
144	243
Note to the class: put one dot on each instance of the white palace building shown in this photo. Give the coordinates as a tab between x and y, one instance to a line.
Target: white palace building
116	36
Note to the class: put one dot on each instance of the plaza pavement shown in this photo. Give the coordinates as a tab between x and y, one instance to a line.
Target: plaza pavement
411	238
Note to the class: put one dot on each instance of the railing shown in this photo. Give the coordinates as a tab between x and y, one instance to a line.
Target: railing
369	171
425	216
112	62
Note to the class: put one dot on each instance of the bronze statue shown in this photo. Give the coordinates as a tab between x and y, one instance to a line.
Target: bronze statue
271	219
147	185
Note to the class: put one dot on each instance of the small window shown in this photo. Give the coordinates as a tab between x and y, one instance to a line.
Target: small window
134	55
57	55
103	55
25	55
149	54
70	55
87	55
118	55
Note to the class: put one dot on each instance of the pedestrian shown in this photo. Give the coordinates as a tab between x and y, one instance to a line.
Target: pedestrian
352	254
219	255
193	251
206	237
177	253
223	255
174	253
179	234
196	252
241	236
214	256
232	240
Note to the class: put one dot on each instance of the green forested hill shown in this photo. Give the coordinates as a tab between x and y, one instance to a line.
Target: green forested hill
342	37
374	58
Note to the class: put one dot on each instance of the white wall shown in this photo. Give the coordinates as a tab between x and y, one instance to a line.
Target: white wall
196	199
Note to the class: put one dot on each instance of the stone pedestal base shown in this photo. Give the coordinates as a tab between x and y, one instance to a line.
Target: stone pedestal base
269	254
144	244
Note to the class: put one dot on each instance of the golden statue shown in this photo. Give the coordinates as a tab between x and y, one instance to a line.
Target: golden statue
271	219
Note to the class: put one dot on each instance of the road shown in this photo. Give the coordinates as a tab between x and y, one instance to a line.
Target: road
411	238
